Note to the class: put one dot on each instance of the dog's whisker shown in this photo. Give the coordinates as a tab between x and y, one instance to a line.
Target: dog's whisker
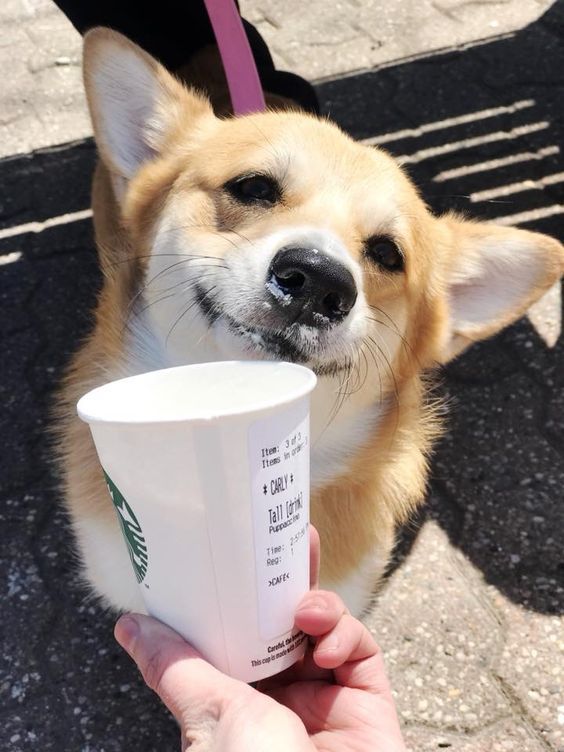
147	285
186	283
244	237
347	381
387	315
394	382
366	368
273	150
359	382
333	411
106	245
386	361
385	352
185	311
223	235
141	311
344	391
405	343
134	311
377	366
187	257
214	308
341	393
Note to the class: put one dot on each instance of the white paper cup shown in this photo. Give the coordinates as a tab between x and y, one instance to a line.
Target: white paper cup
208	468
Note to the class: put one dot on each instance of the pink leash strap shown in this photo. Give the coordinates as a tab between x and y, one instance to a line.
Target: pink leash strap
238	62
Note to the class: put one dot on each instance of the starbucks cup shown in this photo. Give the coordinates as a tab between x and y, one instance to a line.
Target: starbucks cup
208	469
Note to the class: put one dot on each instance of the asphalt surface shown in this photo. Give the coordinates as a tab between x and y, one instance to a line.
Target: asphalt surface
498	475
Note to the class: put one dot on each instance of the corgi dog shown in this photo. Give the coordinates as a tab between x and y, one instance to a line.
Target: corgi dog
276	236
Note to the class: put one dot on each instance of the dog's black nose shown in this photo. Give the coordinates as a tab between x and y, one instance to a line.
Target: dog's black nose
310	287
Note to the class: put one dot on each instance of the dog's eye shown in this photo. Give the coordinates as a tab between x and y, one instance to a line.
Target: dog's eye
384	252
254	189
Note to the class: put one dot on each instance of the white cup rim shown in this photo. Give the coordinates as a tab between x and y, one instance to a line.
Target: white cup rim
99	404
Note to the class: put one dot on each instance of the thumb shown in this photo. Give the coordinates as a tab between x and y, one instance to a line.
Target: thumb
174	669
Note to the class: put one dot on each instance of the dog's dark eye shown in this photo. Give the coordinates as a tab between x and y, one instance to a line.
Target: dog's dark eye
384	252
254	189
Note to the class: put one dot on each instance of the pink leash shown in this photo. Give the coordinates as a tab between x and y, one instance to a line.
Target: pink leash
238	62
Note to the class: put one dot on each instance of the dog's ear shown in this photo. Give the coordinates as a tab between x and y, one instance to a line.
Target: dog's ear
493	275
135	104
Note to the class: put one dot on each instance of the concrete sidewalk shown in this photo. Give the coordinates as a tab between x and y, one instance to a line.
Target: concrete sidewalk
42	101
470	95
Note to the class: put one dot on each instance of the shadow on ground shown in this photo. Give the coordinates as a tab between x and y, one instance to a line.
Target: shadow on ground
498	474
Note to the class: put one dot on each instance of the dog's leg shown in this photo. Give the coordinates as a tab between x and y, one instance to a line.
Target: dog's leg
357	538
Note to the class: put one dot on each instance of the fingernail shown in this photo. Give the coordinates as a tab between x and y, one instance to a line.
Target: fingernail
126	632
313	603
329	644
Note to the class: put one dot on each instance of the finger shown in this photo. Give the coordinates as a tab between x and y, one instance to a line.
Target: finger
368	674
170	666
344	644
304	670
322	706
305	699
314	557
348	641
319	612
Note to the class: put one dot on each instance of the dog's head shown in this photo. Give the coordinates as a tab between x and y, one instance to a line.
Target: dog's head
277	236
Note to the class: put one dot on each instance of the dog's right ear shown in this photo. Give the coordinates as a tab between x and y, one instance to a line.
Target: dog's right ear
136	106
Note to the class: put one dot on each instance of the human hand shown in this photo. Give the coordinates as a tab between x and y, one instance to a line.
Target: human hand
336	699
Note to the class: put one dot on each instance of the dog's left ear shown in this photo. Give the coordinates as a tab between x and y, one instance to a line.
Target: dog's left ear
136	105
493	275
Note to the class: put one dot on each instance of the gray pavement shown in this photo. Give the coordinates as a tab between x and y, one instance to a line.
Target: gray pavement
470	94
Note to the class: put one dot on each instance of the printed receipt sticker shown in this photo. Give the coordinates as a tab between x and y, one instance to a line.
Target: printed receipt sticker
280	490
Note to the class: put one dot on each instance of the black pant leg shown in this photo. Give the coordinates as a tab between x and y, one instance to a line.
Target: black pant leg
173	31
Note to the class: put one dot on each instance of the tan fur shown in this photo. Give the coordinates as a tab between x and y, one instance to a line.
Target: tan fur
349	189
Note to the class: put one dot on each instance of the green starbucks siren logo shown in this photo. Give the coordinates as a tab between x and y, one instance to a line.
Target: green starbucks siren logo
131	530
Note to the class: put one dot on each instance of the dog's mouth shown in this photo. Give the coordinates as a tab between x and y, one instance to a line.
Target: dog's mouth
295	342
